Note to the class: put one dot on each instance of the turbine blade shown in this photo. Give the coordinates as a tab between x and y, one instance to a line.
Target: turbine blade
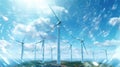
38	42
84	47
54	13
52	28
18	41
41	36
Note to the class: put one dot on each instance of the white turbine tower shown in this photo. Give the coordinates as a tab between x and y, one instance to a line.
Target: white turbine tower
43	50
22	48
106	54
58	44
82	47
35	52
71	52
52	53
93	55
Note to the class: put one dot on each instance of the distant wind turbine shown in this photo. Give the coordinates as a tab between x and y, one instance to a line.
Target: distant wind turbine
82	47
22	48
35	49
43	46
52	53
43	50
58	46
35	52
93	55
70	51
106	54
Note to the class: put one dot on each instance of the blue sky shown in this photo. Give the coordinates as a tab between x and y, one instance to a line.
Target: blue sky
95	21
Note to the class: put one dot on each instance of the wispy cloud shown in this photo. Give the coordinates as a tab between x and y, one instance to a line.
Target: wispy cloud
104	33
91	36
115	6
115	20
108	42
60	9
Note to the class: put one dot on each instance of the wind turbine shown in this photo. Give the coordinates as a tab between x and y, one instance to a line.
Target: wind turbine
41	41
82	47
35	49
43	50
93	55
70	51
106	54
51	53
22	48
35	52
58	44
43	46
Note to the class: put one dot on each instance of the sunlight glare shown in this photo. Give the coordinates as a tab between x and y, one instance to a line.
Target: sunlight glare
34	3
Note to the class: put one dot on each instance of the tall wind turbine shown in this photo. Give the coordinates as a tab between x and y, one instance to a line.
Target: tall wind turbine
58	44
82	47
22	48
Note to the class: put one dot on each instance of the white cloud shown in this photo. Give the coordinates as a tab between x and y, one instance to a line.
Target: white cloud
114	6
4	43
36	28
5	18
59	8
115	20
116	54
19	28
108	42
47	11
